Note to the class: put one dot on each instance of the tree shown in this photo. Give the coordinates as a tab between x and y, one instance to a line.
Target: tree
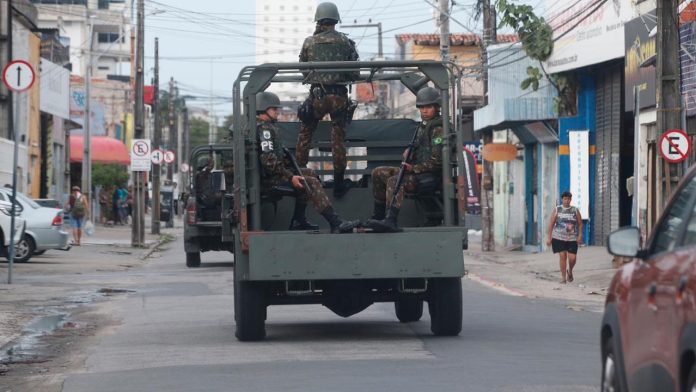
109	175
536	36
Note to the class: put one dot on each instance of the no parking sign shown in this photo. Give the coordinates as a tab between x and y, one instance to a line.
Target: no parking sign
675	146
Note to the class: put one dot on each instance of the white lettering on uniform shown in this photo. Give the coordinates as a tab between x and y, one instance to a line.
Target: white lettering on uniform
266	146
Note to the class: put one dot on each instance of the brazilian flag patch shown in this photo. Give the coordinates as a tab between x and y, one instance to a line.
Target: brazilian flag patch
437	140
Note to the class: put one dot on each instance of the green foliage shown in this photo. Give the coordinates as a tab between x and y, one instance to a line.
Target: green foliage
535	34
109	175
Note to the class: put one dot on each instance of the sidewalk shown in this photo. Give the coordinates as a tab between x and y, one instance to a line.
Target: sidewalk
537	275
120	235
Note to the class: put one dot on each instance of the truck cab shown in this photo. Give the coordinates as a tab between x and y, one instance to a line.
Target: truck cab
348	272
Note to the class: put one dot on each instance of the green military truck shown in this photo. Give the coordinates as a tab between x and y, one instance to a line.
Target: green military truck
347	272
209	183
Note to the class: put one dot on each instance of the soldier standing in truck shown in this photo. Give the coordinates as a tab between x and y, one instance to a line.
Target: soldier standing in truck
276	172
328	93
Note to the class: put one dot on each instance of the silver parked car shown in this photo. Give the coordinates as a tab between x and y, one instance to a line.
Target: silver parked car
44	228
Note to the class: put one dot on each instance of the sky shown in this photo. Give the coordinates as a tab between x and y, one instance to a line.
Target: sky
204	44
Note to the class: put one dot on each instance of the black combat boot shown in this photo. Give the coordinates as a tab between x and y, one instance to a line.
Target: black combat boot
299	220
386	225
341	185
379	210
337	224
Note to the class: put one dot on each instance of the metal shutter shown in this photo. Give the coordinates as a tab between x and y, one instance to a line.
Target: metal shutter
608	139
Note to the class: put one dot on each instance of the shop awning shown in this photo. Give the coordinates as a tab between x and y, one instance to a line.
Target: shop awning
103	150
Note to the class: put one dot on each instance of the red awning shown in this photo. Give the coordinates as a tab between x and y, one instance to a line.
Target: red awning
103	150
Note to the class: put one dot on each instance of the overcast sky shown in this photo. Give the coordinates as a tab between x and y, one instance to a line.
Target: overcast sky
211	37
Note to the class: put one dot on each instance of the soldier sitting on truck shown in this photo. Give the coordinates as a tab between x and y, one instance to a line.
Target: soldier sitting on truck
426	167
276	172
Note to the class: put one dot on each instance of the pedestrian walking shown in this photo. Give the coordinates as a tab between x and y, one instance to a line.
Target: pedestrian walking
79	211
565	235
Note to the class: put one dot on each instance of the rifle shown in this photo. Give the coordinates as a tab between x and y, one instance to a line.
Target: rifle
297	170
402	168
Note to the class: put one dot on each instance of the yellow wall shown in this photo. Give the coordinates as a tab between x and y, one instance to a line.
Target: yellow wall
33	133
467	56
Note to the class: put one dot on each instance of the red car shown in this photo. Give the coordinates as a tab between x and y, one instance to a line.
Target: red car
649	327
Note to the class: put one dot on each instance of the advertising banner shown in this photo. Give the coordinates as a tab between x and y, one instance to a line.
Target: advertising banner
473	188
580	170
587	32
640	48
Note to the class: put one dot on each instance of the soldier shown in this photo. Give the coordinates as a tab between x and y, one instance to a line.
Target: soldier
426	165
328	92
275	171
202	184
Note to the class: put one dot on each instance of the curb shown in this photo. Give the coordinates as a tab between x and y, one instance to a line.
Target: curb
161	241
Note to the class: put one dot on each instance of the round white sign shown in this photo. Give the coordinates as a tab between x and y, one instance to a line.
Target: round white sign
169	156
675	146
184	167
157	156
18	75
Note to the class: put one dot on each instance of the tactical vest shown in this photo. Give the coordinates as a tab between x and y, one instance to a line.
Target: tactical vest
424	144
330	46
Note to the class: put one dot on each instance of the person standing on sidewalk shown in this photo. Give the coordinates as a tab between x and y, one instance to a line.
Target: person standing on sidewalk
565	235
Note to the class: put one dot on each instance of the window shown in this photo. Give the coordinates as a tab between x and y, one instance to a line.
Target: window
668	232
109	37
103	4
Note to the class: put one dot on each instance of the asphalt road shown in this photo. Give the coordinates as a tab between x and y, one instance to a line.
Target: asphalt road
175	332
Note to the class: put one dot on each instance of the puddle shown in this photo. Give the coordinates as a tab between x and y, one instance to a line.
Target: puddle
29	347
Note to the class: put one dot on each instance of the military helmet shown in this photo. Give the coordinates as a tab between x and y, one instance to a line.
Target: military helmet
327	10
427	96
266	100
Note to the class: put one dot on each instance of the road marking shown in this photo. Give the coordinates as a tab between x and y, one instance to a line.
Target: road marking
495	285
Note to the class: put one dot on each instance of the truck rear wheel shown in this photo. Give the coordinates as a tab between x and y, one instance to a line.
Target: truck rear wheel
249	311
445	306
193	259
408	310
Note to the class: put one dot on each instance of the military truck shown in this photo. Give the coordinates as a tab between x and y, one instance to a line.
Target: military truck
347	272
204	204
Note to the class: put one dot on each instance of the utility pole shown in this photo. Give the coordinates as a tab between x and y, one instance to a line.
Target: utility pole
211	128
444	30
11	131
186	148
489	37
172	129
668	94
380	54
138	208
87	125
156	168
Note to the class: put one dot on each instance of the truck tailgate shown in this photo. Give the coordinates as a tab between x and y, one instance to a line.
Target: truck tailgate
432	252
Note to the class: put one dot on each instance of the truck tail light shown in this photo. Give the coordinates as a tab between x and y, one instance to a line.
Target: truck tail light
191	213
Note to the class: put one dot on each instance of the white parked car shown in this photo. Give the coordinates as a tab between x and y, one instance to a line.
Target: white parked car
44	227
5	225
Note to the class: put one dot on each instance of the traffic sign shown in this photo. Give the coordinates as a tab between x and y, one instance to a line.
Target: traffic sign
18	76
675	146
184	167
140	155
169	156
157	156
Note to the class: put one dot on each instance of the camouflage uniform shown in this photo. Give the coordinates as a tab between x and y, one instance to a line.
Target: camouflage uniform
328	94
427	159
275	170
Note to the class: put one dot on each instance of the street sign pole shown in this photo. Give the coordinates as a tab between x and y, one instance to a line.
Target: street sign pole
18	76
